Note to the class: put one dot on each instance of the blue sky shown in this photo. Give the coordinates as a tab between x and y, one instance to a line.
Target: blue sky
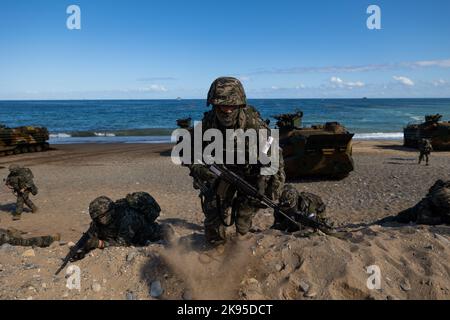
140	49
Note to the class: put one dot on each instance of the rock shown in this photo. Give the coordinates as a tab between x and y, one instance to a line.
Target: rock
70	244
442	238
311	293
6	247
30	266
96	287
404	285
187	295
66	294
29	253
155	289
304	286
131	256
279	267
130	295
44	285
54	245
430	247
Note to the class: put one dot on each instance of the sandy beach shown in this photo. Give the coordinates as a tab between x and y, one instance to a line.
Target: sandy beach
387	179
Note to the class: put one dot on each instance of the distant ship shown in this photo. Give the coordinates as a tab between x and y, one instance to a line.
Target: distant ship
178	98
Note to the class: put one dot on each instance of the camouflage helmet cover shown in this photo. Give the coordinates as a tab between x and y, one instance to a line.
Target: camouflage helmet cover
14	167
289	196
226	91
100	206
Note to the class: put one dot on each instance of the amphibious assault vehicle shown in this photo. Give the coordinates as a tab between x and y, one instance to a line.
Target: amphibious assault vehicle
319	150
433	128
23	140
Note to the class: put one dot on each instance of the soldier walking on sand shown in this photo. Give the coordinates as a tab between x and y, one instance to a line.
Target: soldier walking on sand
425	149
219	203
20	180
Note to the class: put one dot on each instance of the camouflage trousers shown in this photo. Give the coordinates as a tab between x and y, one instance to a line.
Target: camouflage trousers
217	214
14	237
23	198
424	155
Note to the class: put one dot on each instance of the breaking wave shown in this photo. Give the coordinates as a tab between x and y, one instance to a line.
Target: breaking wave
379	136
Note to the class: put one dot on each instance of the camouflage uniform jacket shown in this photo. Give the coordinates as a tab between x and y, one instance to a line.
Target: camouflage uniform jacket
426	147
248	118
128	227
21	179
309	205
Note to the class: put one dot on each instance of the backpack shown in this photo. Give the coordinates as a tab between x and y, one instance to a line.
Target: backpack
311	203
145	204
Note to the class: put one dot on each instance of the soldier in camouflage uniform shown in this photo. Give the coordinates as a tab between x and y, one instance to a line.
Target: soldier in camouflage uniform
231	111
14	237
126	222
425	149
434	209
296	203
20	180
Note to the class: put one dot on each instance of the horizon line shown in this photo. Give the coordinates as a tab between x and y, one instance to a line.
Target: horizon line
176	99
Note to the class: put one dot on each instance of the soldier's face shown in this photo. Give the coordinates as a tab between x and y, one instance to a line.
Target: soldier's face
227	115
104	219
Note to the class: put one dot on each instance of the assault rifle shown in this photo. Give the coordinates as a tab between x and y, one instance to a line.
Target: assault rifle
73	251
244	187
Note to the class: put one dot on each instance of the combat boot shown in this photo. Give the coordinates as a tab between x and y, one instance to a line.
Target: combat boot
16	216
34	209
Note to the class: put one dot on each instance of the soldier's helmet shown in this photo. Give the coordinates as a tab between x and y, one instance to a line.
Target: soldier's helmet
226	91
144	203
100	207
14	167
289	196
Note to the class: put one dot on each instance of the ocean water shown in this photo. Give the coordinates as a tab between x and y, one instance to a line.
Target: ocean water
152	121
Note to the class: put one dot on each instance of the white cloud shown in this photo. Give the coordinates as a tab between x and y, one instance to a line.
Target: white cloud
433	63
445	63
404	80
440	82
153	88
338	82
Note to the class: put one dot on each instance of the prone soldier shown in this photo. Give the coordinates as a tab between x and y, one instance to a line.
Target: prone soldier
434	209
14	237
125	222
295	203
